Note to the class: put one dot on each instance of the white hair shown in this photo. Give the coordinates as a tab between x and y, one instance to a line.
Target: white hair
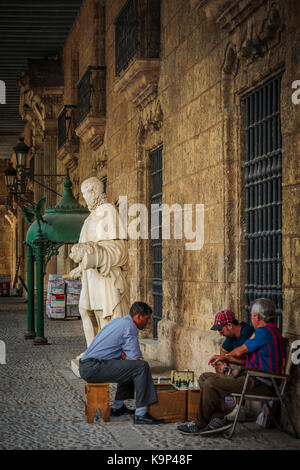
265	308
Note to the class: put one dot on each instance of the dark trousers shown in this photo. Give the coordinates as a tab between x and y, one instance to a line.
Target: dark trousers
129	375
215	387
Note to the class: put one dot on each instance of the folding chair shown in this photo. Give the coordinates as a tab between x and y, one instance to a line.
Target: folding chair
279	391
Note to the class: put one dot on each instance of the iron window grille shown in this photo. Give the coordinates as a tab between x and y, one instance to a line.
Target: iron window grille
91	92
64	120
156	236
263	183
137	32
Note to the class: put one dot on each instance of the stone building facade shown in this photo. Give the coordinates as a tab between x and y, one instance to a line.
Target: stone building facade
6	242
182	89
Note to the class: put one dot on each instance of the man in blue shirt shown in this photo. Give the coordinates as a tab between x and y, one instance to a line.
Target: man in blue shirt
236	333
264	351
101	363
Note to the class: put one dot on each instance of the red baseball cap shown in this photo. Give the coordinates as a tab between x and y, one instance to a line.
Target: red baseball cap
223	318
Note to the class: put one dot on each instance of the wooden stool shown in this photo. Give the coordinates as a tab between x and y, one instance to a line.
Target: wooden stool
97	396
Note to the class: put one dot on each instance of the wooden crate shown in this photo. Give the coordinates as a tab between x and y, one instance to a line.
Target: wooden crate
97	396
192	404
171	405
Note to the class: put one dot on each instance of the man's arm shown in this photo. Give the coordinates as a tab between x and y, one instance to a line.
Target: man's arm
223	352
130	347
237	356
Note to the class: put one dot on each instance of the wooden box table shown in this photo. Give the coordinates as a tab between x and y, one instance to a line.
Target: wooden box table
192	404
171	405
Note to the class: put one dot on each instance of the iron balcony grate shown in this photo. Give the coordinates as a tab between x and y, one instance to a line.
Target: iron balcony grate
127	33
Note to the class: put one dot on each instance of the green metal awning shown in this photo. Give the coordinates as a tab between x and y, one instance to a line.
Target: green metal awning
60	224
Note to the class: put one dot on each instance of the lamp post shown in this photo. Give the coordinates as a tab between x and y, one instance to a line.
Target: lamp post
21	151
10	176
16	179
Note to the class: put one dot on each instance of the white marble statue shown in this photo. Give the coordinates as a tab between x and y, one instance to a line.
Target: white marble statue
102	259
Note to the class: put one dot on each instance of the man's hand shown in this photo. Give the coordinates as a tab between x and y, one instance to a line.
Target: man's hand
221	368
214	360
123	356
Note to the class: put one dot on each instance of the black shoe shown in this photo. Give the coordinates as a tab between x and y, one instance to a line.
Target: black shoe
121	411
190	428
147	419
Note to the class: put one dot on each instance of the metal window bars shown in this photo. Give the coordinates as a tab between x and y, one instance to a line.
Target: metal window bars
156	236
91	92
127	34
64	121
137	32
263	184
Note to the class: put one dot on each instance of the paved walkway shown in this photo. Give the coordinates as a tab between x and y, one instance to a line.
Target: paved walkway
42	402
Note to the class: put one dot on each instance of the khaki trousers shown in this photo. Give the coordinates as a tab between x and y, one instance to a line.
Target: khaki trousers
215	387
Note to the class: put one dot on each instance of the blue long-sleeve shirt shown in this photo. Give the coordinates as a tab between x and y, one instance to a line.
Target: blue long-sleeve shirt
118	335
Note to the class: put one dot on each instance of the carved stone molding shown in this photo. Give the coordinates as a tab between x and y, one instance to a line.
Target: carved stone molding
139	82
230	64
229	14
259	39
236	12
11	217
91	130
150	120
68	154
211	8
40	105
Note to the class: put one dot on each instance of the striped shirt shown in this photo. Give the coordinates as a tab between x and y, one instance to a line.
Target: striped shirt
267	350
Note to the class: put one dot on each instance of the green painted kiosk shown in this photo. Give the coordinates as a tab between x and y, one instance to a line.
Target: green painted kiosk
60	225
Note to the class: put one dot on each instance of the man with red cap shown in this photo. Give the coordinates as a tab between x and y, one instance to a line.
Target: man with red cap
236	333
264	351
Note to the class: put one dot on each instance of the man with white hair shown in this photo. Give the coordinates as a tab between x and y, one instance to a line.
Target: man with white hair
102	259
263	351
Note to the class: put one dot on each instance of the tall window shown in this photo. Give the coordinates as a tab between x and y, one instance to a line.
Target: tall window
126	34
156	235
263	182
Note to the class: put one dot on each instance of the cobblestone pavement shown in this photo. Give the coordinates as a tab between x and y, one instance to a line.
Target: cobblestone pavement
42	402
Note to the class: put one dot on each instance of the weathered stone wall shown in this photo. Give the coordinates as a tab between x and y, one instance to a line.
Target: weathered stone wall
5	227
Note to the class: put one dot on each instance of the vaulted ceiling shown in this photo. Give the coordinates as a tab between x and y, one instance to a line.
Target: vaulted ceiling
28	29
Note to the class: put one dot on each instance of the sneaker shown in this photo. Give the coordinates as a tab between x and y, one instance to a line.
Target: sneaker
214	426
121	411
190	428
231	416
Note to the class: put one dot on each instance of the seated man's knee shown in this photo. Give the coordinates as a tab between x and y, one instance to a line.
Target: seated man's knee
205	376
142	366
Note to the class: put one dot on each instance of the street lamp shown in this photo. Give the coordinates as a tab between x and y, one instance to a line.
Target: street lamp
21	151
10	176
16	179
